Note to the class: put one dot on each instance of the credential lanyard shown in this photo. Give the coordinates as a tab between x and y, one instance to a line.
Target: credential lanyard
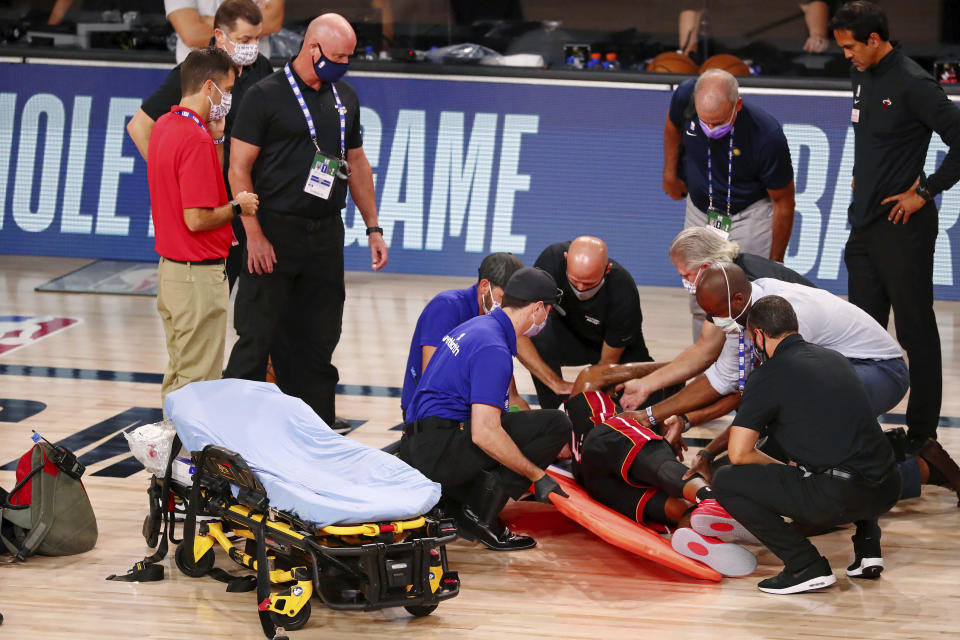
741	367
340	111
729	174
187	114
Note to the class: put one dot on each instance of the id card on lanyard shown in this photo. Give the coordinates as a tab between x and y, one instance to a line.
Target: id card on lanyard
325	169
717	221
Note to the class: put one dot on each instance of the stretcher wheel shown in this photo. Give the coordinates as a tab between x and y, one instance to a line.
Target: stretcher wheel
420	610
200	568
292	623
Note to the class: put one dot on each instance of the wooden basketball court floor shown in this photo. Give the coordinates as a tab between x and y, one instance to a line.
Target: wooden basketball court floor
94	378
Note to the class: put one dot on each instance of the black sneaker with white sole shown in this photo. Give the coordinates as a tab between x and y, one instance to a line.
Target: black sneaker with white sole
817	576
865	568
868	560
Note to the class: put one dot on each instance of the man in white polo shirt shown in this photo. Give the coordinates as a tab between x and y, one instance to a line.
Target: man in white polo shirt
825	320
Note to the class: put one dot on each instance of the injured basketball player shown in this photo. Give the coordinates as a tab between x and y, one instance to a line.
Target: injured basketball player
635	471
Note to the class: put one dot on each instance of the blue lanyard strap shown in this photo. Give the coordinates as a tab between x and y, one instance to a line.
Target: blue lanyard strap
187	114
729	174
306	113
741	367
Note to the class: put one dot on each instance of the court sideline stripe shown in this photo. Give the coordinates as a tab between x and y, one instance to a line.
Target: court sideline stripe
365	390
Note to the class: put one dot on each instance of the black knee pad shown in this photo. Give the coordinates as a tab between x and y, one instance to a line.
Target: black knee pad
670	477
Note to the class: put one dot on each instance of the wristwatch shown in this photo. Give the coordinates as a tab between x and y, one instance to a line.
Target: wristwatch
374	230
237	209
923	191
706	455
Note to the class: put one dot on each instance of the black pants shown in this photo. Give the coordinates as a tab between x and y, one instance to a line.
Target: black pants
892	265
443	450
294	313
236	259
558	345
758	495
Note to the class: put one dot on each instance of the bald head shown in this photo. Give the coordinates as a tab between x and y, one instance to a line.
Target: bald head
716	95
713	287
587	262
333	34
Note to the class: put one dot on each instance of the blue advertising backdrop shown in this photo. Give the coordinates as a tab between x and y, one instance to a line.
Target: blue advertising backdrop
463	166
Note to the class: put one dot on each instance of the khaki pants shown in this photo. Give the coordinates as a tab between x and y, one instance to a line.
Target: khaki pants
752	229
192	300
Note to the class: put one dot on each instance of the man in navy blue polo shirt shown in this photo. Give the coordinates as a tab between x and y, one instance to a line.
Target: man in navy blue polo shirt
731	161
458	430
450	308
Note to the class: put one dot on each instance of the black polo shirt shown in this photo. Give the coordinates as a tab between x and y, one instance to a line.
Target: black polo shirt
169	94
810	400
271	118
761	156
759	267
896	106
612	315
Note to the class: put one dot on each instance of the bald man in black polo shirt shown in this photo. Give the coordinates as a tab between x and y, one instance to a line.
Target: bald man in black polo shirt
842	468
598	321
302	160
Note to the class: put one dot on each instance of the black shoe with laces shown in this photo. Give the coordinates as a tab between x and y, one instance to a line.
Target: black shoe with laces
868	560
816	576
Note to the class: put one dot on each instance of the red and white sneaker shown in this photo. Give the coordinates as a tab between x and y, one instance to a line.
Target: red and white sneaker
710	519
725	558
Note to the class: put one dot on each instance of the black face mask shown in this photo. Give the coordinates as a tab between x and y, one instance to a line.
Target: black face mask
759	351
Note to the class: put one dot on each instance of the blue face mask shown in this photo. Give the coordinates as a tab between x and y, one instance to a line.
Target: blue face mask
328	70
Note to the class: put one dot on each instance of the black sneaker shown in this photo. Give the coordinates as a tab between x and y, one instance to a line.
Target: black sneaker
817	576
868	561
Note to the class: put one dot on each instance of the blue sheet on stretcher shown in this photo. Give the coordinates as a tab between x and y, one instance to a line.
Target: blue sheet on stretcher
307	470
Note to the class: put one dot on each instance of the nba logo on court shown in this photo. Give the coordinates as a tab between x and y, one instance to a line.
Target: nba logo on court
20	331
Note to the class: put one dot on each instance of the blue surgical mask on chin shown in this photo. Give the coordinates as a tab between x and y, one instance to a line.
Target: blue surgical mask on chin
328	70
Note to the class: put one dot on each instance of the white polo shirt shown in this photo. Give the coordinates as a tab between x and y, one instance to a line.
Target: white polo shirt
823	318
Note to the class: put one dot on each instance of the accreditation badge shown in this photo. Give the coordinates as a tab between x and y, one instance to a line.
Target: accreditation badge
323	173
719	222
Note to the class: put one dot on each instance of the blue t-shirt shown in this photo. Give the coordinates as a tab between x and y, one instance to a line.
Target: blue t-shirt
761	157
473	365
445	311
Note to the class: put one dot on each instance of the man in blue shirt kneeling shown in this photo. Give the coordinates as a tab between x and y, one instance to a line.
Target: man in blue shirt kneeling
458	431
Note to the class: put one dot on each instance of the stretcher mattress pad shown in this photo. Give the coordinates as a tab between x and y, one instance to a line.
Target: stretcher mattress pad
307	470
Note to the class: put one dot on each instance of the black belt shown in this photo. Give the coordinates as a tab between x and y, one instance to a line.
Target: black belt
201	263
430	424
839	473
843	474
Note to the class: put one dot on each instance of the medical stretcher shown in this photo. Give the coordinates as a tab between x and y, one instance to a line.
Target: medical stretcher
365	566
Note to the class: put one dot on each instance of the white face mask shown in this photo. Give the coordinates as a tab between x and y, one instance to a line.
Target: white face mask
219	111
729	324
493	303
691	287
536	328
244	53
586	294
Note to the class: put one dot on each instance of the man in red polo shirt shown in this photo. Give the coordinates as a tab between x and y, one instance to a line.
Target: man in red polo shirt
191	219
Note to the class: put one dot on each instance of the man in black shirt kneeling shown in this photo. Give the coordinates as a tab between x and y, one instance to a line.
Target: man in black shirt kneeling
842	469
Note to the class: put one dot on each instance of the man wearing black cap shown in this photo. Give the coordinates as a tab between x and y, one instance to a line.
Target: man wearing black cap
458	431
